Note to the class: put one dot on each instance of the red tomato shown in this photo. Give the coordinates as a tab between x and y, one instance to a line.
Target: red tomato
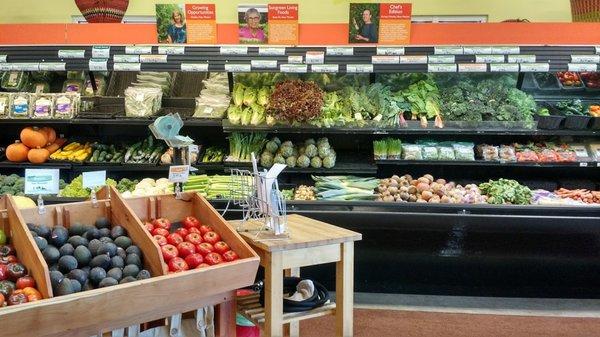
17	298
178	264
25	282
211	237
190	221
169	252
205	248
213	258
230	256
221	247
162	223
161	240
149	226
185	249
174	239
205	229
16	270
182	231
194	238
160	231
3	272
202	265
194	230
194	260
32	294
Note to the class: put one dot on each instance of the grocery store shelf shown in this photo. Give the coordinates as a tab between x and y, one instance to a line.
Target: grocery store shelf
108	121
339	168
487	163
48	165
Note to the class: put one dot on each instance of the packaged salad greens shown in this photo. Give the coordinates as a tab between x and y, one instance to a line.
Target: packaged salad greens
4	104
43	106
445	151
20	106
411	152
464	151
66	105
14	81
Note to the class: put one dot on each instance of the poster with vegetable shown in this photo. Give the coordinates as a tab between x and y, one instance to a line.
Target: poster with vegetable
384	23
189	23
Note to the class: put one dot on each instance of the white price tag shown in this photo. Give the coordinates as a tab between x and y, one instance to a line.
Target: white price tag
138	50
585	58
505	50
448	50
521	58
325	68
179	173
271	51
194	67
233	50
534	67
472	68
385	59
127	67
414	59
583	164
315	57
171	50
597	50
441	68
41	181
101	52
489	58
441	58
94	179
582	67
126	58
237	68
504	68
3	58
71	53
98	64
25	66
293	68
340	51
6	66
264	64
153	58
296	59
390	50
53	66
477	50
359	68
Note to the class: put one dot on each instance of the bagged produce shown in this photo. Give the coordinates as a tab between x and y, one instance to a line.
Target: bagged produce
142	102
429	152
73	86
14	81
507	153
464	151
66	105
411	152
214	98
43	106
20	106
4	105
445	152
40	87
160	80
488	152
100	85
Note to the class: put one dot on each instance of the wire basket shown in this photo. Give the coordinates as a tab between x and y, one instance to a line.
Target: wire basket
585	10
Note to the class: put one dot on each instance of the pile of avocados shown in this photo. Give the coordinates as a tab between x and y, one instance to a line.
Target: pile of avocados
85	257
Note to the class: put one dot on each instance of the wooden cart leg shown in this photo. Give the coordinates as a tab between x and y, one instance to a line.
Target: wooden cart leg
292	329
225	318
344	289
274	295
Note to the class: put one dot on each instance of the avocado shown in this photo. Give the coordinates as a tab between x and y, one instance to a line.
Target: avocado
108	248
133	249
75	285
77	229
117	262
117	231
133	259
123	242
41	242
97	274
67	263
143	274
66	249
77	241
131	270
102	222
55	278
94	245
104	232
106	239
86	270
64	288
83	256
43	231
51	254
122	253
102	261
107	282
127	279
116	273
79	275
59	236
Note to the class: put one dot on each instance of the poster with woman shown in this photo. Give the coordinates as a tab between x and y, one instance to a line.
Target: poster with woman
364	23
170	23
253	25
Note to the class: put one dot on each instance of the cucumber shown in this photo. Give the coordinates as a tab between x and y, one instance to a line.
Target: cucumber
95	156
108	156
102	156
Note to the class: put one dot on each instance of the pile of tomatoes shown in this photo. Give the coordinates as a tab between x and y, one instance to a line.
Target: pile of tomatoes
591	80
569	79
190	246
16	286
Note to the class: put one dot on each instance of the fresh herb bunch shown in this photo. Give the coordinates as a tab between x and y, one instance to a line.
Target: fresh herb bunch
572	107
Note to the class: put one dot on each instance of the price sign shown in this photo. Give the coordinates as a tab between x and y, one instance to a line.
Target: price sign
271	51
597	50
504	68
521	58
315	57
472	68
385	59
126	58
127	67
238	68
94	179
583	164
41	181
448	50
535	67
3	58
71	54
489	58
171	50
194	67
582	67
585	58
98	64
414	59
25	66
441	58
325	68
101	52
295	59
233	50
477	50
138	50
293	68
390	50
506	50
441	68
359	68
179	173
153	58
5	66
340	51
53	66
264	64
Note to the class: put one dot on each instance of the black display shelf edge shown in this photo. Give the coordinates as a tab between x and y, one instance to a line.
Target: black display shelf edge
585	164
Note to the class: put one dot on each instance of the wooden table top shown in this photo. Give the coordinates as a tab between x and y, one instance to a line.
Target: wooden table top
303	233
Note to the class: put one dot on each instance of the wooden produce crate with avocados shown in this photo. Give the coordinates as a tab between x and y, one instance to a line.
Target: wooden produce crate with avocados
99	266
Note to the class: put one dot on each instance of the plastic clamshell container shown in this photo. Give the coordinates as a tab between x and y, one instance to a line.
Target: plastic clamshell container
575	122
551	122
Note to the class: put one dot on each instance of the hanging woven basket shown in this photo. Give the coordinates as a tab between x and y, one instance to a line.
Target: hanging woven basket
103	11
585	10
